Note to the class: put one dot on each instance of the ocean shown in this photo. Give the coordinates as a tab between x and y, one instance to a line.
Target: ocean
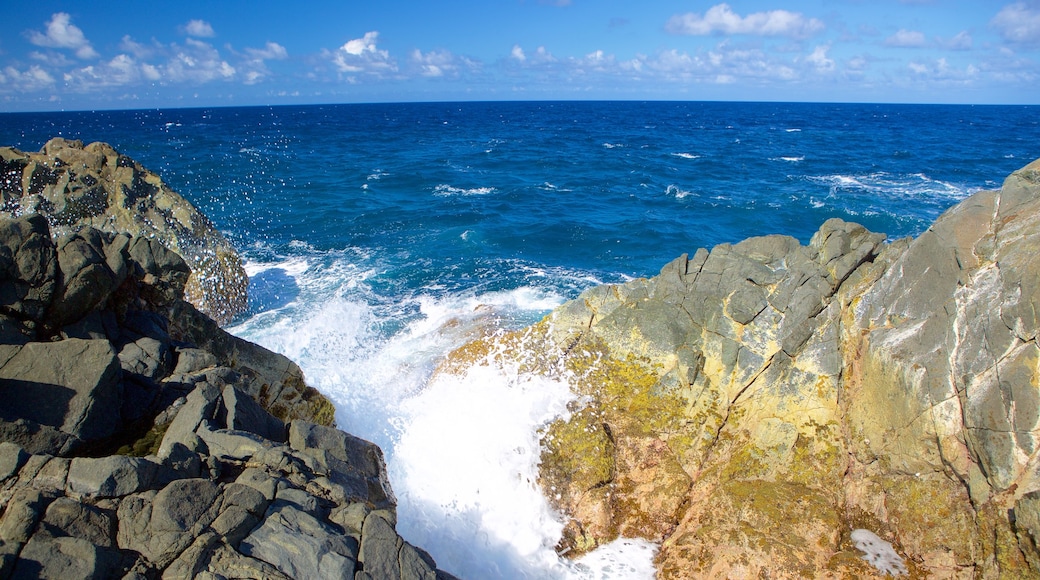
380	237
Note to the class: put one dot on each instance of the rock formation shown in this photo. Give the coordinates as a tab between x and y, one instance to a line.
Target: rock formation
751	406
139	440
73	185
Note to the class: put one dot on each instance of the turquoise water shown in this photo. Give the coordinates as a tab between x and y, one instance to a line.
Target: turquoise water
379	237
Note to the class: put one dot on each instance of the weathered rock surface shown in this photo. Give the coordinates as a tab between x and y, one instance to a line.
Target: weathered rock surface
751	406
73	185
96	341
139	440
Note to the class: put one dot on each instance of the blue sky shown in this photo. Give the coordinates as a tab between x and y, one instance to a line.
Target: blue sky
133	54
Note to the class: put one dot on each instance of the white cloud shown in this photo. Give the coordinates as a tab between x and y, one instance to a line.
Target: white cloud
138	50
199	28
360	55
540	56
720	19
962	41
1018	22
940	70
52	59
819	60
906	39
196	62
254	67
270	51
32	79
61	33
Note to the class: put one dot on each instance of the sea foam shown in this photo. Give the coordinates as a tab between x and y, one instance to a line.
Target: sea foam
462	449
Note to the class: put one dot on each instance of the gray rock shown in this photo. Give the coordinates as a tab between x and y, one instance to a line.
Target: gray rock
192	360
220	560
162	526
71	385
28	266
21	515
112	476
242	509
87	279
36	438
146	357
12	458
76	185
200	405
380	548
350	461
416	564
53	475
260	481
245	414
67	517
231	444
301	546
163	272
64	558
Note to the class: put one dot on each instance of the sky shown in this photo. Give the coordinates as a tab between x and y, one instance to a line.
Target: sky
122	54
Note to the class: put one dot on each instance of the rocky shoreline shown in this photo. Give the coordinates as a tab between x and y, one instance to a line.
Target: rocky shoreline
853	407
139	439
768	409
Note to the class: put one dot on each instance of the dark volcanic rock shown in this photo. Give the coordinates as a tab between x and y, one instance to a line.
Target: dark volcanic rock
222	468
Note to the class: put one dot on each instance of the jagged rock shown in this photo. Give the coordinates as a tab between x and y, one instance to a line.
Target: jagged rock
301	546
12	458
200	405
137	438
752	405
28	266
71	385
67	517
163	525
94	185
244	414
112	476
350	462
66	557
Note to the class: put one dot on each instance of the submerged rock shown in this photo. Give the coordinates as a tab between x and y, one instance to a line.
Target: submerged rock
751	406
75	185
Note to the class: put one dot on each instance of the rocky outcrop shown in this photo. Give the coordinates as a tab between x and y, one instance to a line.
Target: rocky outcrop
751	407
139	440
73	185
96	341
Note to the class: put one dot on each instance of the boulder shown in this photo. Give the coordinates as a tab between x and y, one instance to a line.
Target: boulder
74	185
301	546
73	386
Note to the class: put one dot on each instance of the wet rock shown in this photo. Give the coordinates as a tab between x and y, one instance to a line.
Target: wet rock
74	185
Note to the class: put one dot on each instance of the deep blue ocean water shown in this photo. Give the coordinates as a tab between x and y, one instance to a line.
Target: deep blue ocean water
379	237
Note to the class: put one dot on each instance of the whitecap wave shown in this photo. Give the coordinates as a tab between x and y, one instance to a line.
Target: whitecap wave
677	192
444	189
462	449
915	185
686	155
